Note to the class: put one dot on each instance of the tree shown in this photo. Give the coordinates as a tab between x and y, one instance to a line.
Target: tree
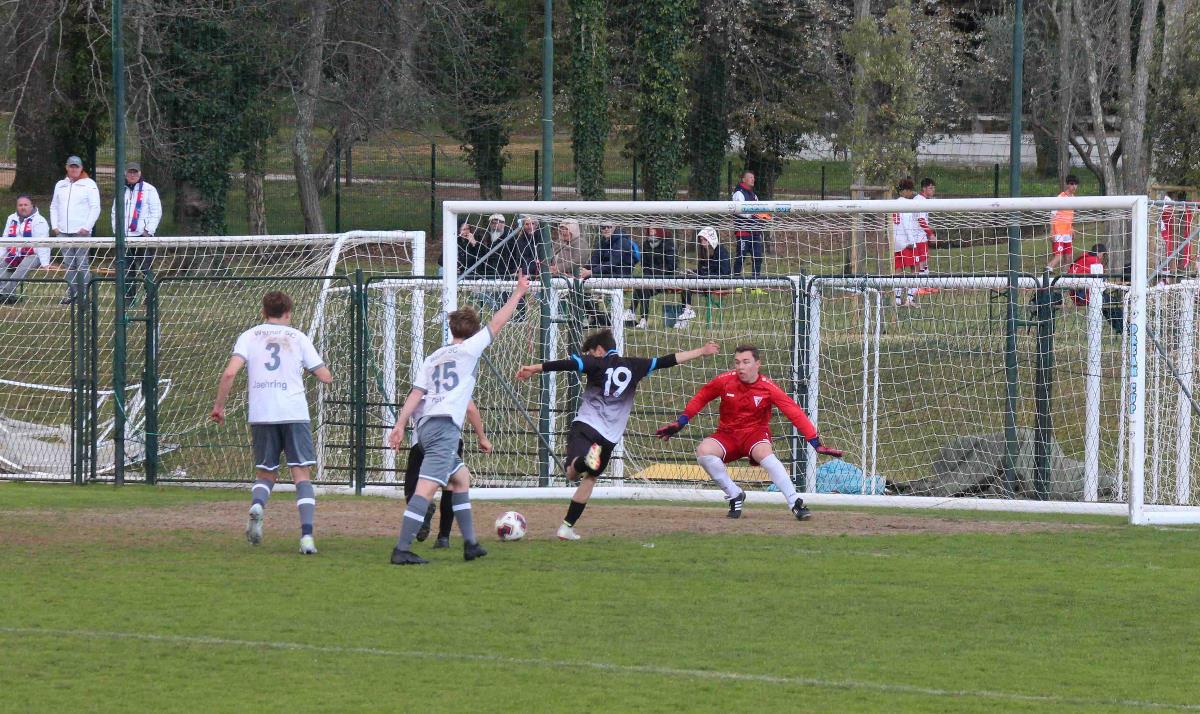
660	103
708	115
1177	111
587	89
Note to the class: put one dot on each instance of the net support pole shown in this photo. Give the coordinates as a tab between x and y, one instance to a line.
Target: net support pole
545	457
814	379
388	412
1043	390
1092	395
1135	357
119	326
1187	358
150	381
1014	253
617	310
799	374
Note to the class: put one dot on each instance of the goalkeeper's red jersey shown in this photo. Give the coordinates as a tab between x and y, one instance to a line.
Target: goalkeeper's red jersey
748	406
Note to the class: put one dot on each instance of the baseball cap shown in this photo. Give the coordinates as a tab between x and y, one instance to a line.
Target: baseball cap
74	160
709	235
133	166
496	217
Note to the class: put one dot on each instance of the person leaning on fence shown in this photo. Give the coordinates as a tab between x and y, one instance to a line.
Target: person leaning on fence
568	250
22	227
143	211
73	212
658	261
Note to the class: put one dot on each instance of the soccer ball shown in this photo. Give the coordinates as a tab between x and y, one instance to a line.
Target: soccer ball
510	526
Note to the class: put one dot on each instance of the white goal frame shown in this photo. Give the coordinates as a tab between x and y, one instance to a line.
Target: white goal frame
1134	388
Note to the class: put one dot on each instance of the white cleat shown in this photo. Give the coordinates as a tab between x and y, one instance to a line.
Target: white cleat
641	324
687	313
307	546
566	532
681	324
254	524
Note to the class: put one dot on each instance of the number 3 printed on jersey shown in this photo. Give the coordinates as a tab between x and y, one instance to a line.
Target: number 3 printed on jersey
445	377
619	376
273	348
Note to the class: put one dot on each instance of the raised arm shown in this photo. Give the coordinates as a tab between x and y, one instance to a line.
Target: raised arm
223	386
396	435
505	313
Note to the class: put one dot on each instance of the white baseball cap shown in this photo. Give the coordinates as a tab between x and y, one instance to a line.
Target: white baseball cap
710	235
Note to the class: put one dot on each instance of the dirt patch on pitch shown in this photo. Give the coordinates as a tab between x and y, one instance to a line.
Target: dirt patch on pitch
381	517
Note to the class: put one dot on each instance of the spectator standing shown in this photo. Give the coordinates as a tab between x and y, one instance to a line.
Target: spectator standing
22	227
658	261
143	212
747	229
73	212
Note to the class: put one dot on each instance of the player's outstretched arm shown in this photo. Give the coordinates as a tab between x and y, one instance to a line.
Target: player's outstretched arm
505	313
475	419
224	385
708	350
571	364
396	435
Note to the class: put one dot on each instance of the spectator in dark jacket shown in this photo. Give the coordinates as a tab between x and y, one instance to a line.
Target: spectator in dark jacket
658	261
520	249
712	261
472	246
614	256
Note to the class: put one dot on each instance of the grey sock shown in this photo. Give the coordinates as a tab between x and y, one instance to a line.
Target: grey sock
414	516
461	500
306	501
261	491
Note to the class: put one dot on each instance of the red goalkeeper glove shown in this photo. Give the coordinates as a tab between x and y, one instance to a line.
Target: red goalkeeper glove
825	450
666	432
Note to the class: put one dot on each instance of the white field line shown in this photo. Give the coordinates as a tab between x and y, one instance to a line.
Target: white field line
703	674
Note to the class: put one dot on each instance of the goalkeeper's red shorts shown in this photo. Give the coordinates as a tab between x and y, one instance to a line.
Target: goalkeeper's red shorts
738	444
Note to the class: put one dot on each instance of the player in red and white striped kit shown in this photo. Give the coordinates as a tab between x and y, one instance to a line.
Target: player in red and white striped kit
1175	224
911	233
748	399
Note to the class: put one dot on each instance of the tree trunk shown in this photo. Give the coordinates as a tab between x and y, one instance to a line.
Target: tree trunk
306	112
1135	164
190	209
256	207
862	8
486	153
1108	175
1176	14
37	165
1066	89
708	120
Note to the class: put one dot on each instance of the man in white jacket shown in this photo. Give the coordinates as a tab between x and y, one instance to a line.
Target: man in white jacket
143	211
73	212
17	257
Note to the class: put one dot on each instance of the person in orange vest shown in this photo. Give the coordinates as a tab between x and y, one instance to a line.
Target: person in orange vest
1062	227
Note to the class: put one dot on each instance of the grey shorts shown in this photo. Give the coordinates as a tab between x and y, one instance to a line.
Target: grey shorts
294	439
439	437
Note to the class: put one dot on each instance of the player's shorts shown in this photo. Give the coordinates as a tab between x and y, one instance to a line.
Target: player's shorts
580	439
292	438
439	437
912	256
1062	244
739	444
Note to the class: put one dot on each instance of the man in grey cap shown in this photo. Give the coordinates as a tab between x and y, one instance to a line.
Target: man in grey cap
143	211
73	212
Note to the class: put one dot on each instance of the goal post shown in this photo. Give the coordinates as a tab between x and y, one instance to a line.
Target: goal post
905	391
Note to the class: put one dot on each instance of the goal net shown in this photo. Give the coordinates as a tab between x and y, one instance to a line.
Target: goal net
976	379
58	406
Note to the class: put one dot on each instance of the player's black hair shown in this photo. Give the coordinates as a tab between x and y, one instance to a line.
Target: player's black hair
601	338
747	348
1098	249
927	182
1072	178
276	304
905	184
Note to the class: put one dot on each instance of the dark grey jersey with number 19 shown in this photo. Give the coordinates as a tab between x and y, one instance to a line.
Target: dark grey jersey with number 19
612	381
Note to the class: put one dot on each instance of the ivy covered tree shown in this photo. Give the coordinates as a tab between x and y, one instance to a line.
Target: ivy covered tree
587	88
661	101
708	117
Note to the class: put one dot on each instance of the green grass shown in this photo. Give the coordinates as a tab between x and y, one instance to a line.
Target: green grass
1091	620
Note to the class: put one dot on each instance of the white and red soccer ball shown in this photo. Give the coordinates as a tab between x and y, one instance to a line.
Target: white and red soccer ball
511	526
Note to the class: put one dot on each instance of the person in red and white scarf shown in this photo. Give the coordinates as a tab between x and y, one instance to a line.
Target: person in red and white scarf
17	256
143	211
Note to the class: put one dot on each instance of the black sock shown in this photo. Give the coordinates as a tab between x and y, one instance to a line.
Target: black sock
445	516
574	511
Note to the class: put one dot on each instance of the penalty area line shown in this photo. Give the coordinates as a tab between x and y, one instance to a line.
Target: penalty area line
608	667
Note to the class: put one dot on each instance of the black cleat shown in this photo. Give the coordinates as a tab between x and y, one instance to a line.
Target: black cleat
800	511
735	505
423	531
441	542
406	557
471	551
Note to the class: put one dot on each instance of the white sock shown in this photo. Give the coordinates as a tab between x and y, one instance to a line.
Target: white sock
912	294
899	295
780	477
715	468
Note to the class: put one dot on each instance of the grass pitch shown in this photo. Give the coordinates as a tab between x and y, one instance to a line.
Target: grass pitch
149	598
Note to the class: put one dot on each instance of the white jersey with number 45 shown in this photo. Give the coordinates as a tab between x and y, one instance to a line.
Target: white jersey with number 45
448	378
276	358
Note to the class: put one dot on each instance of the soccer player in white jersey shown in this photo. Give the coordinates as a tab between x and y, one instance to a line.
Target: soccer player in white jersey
276	356
441	393
911	250
928	189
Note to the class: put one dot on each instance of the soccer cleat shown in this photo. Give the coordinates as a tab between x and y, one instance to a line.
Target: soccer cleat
66	301
592	459
406	557
254	524
441	542
927	291
471	551
687	313
423	531
629	318
800	511
566	532
641	324
735	505
758	291
307	546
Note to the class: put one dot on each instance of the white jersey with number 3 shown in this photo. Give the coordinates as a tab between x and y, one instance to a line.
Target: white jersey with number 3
276	358
448	378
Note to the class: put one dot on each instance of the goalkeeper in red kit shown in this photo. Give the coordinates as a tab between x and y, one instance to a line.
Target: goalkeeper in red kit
748	400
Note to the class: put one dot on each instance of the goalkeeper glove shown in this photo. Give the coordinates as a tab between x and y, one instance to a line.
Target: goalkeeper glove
826	450
666	432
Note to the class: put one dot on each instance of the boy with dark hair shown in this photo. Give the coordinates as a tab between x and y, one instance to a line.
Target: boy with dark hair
612	382
438	402
276	356
1062	226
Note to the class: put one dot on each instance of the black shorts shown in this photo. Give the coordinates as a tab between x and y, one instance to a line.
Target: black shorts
580	439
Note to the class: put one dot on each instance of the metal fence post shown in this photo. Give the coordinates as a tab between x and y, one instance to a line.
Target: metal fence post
150	380
536	176
822	182
996	181
358	388
337	185
1043	388
633	182
432	189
